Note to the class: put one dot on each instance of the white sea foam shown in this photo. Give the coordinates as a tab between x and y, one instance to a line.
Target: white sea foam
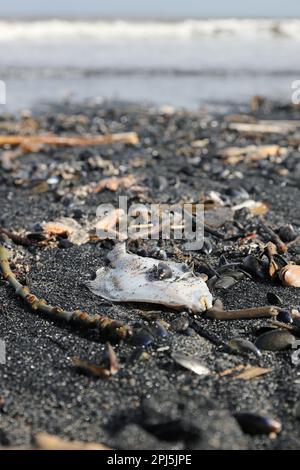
188	29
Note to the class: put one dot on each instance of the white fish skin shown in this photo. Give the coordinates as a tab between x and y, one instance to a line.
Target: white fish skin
128	280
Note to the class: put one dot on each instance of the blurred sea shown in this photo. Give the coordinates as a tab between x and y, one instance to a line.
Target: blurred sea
181	63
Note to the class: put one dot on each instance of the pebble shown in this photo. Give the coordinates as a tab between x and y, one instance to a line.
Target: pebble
180	324
64	243
164	271
275	340
287	233
257	424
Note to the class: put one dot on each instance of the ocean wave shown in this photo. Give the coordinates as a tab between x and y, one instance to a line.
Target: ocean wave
100	30
48	73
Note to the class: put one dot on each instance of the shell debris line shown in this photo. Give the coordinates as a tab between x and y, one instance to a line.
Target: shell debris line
133	278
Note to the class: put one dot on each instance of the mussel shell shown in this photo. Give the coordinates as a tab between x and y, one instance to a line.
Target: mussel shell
157	330
254	266
142	338
275	340
256	424
244	346
284	316
274	299
207	247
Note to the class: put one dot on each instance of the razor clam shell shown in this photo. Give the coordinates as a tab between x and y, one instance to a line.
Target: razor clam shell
128	280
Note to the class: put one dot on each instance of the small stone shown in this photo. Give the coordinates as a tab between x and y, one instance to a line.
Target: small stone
275	340
64	243
180	324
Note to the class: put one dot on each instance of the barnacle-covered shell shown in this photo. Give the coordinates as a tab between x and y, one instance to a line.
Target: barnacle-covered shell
130	279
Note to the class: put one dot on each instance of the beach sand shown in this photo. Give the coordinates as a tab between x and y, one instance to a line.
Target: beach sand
177	160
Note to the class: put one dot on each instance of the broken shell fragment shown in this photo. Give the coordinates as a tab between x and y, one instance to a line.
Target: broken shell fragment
290	275
142	338
128	281
190	363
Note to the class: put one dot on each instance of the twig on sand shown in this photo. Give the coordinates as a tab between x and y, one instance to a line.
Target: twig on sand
256	312
34	143
106	326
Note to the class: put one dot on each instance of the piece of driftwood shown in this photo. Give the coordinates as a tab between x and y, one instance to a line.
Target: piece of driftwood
251	153
265	127
68	141
256	312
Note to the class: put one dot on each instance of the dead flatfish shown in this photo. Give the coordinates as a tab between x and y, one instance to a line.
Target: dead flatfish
132	278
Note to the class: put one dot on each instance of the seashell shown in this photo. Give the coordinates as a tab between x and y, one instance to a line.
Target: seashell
128	281
157	330
284	316
143	338
254	266
257	424
274	299
244	346
275	340
290	275
190	363
224	282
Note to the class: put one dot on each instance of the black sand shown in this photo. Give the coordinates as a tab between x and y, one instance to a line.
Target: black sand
152	403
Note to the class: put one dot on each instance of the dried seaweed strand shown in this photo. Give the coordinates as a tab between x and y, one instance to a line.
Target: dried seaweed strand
17	239
105	325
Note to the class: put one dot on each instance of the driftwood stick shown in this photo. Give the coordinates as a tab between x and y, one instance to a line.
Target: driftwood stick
105	325
69	141
256	312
